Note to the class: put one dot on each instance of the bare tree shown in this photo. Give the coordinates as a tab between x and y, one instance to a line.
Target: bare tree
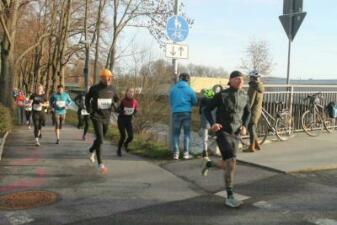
258	57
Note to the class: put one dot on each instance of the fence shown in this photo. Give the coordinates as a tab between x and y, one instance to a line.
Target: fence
293	95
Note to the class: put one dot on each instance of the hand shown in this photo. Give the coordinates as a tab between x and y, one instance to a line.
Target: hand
216	127
243	131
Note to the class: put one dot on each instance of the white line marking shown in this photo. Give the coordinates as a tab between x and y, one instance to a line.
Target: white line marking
324	222
19	218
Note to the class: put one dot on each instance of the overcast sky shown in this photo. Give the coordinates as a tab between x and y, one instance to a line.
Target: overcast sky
223	29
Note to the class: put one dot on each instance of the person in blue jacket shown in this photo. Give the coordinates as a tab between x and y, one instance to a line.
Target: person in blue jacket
59	102
182	98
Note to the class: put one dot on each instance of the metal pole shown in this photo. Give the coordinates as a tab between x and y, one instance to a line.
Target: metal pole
86	62
288	69
174	80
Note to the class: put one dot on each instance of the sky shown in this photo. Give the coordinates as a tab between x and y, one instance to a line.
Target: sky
223	29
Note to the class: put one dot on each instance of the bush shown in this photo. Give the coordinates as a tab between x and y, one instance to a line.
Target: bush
5	120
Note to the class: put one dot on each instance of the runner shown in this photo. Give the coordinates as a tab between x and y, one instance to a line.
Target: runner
28	110
82	114
232	118
59	102
20	102
99	102
39	102
127	109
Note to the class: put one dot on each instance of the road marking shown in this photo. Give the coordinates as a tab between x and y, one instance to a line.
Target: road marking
19	218
324	222
240	197
268	206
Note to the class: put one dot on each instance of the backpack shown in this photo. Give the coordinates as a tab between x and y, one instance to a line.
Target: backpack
332	109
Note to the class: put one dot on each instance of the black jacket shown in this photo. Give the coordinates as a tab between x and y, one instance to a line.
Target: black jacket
233	110
99	102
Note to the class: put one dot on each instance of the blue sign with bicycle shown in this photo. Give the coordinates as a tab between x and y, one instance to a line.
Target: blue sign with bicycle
177	28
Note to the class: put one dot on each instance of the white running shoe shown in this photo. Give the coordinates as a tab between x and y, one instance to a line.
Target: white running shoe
37	143
231	201
187	155
102	169
92	157
206	164
175	156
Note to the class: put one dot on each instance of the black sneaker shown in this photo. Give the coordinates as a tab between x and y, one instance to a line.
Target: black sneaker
126	148
119	153
58	141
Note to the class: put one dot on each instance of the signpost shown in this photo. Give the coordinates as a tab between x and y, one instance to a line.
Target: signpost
177	28
177	51
291	21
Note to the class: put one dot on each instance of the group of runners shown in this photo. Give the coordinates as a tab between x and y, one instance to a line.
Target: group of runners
96	105
226	111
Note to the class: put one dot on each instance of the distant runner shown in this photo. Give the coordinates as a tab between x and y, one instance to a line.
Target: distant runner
40	102
59	102
82	114
127	109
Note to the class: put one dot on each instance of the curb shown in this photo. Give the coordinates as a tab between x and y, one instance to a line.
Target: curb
3	144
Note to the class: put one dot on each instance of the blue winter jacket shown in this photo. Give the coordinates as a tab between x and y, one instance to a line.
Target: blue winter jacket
182	97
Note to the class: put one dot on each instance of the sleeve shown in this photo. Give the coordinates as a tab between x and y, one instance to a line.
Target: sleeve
88	97
120	108
51	101
251	99
136	108
69	100
78	99
246	115
31	97
211	105
194	98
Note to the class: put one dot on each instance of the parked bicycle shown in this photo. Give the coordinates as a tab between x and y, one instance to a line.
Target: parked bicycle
315	119
282	125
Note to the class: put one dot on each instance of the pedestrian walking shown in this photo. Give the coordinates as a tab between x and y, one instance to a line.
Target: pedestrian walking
59	102
255	94
232	118
99	102
182	98
127	110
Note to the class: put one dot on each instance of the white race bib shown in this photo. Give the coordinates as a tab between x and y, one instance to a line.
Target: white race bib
104	103
128	111
60	104
84	112
37	107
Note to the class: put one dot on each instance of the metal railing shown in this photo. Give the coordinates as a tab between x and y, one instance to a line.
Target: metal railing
293	95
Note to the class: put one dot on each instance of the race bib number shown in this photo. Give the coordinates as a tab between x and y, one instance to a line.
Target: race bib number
104	103
60	104
128	111
37	107
84	112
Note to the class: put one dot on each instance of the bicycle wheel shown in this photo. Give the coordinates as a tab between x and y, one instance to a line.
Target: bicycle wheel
261	132
284	126
312	123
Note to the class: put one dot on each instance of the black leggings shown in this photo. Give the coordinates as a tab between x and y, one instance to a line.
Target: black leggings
28	116
100	131
124	124
38	121
86	125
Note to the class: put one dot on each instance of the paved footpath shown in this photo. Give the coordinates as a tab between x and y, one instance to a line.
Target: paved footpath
139	192
130	184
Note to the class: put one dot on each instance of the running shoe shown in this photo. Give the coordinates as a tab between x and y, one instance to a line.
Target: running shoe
206	164
37	143
102	169
119	152
175	156
92	157
231	201
187	156
58	141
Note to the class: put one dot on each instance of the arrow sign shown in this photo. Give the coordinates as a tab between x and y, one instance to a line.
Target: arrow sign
291	23
177	51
